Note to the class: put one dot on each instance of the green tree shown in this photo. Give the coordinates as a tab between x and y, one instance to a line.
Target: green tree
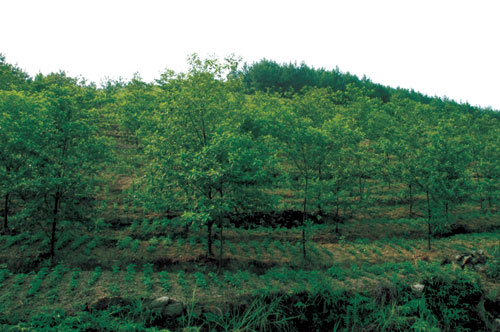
71	151
200	159
19	144
304	149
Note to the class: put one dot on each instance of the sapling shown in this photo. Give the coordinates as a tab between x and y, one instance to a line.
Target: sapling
125	242
4	274
164	281
73	283
153	243
95	276
135	245
200	280
36	282
215	279
148	276
114	286
130	273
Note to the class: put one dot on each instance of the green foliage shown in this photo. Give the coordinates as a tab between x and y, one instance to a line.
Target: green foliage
130	276
232	279
36	283
147	278
92	245
135	245
200	149
260	315
200	280
336	272
454	301
125	242
75	276
79	242
153	243
493	264
164	281
4	274
95	276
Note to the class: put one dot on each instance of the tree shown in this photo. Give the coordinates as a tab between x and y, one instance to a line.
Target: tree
305	149
71	151
200	159
19	144
11	77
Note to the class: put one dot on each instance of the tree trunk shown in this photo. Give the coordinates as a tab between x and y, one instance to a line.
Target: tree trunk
320	209
304	219
411	200
221	227
209	228
446	211
360	189
337	217
53	231
6	213
428	221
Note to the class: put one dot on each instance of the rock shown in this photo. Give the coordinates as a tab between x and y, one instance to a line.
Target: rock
417	287
160	302
472	258
108	302
168	307
175	309
445	261
466	260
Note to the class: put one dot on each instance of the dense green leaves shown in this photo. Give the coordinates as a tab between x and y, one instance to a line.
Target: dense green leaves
218	141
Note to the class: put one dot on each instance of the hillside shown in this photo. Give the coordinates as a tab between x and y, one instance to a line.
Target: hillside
258	197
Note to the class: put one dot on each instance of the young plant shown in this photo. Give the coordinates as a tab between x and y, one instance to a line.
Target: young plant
153	243
130	273
113	287
4	274
164	281
200	280
92	245
124	243
147	279
181	280
231	279
135	245
95	276
36	283
75	276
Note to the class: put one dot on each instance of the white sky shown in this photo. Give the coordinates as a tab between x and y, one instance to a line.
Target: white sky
439	47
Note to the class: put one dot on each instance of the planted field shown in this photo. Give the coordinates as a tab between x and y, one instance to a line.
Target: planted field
110	269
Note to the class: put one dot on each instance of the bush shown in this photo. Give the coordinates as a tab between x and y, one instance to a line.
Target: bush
453	300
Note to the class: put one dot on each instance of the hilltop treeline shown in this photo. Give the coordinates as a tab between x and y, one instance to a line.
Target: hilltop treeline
222	140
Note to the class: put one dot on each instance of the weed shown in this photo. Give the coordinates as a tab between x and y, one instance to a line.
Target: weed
75	276
36	282
125	242
95	276
135	245
164	281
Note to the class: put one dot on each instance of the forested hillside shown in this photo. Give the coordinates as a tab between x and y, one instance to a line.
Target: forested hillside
231	184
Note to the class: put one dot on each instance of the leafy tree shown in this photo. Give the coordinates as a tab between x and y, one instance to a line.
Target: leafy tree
200	161
71	151
19	144
12	77
134	102
305	149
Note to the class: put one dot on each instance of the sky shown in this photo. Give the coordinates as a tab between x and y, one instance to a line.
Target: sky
437	47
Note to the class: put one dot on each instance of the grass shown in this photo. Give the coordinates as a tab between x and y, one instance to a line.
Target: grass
147	258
